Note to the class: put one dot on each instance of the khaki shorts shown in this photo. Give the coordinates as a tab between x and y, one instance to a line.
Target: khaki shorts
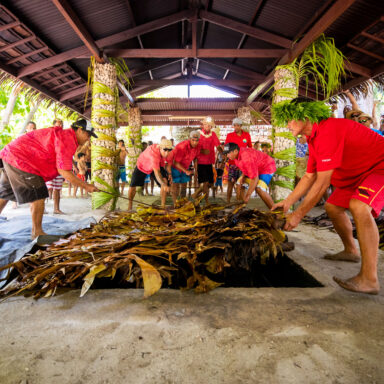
301	166
20	186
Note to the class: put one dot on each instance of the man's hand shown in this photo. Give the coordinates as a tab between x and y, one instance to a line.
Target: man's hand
281	206
292	222
166	188
91	188
189	173
204	151
246	198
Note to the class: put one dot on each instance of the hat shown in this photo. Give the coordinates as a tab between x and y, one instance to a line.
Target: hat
209	120
349	114
229	147
85	126
166	144
365	116
237	121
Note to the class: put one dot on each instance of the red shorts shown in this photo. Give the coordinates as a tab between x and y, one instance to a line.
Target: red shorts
370	192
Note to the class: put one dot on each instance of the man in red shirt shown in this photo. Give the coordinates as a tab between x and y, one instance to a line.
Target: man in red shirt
257	168
243	140
37	157
206	158
338	155
151	160
179	161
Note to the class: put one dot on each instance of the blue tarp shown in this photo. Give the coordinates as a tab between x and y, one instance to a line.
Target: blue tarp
15	235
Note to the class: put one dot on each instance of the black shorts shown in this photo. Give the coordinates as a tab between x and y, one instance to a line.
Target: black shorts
20	186
205	173
138	177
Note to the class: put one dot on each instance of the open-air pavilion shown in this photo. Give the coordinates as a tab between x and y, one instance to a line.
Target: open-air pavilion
230	335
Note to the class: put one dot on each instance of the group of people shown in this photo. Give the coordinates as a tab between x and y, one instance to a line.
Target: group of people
343	153
200	155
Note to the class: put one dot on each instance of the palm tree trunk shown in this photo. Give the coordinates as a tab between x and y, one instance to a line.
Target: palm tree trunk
103	149
284	144
134	137
7	113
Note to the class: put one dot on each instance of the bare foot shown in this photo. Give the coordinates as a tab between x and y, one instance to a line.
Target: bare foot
343	256
58	212
358	284
37	234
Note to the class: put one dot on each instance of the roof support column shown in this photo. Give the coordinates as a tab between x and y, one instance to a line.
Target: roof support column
134	139
104	154
284	143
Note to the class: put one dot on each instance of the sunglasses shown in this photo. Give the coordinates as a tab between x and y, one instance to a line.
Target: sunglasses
355	115
167	149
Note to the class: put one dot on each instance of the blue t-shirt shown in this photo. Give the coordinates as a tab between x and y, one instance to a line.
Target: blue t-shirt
301	149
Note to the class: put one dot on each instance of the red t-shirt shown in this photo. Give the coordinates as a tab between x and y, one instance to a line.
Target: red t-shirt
184	154
208	143
150	159
254	163
351	149
42	152
243	141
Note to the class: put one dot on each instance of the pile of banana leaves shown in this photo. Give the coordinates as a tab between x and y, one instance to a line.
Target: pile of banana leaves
189	247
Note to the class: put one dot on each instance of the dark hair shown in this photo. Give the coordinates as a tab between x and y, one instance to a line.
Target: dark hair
54	121
121	141
150	142
80	155
31	122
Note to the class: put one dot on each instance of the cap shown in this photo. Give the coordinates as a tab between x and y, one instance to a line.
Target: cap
166	144
237	121
349	114
85	126
229	147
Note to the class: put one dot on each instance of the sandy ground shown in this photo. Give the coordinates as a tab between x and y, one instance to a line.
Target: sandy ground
242	335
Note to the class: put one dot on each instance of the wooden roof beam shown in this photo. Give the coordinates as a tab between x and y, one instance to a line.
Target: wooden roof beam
26	55
189	53
17	43
105	42
333	13
185	122
73	20
358	69
5	27
254	32
236	69
187	112
366	52
214	82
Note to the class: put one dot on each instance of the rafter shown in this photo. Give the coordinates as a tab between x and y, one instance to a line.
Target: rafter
257	33
366	52
77	25
188	53
186	81
333	13
236	69
105	42
17	43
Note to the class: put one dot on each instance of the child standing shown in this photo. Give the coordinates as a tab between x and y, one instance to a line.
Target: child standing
82	167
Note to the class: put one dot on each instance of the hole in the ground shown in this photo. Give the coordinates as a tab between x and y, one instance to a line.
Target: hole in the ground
276	272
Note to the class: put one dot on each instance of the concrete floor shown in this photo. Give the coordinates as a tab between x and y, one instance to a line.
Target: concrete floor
246	335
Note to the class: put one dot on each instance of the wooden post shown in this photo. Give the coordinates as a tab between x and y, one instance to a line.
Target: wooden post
134	137
104	154
283	141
